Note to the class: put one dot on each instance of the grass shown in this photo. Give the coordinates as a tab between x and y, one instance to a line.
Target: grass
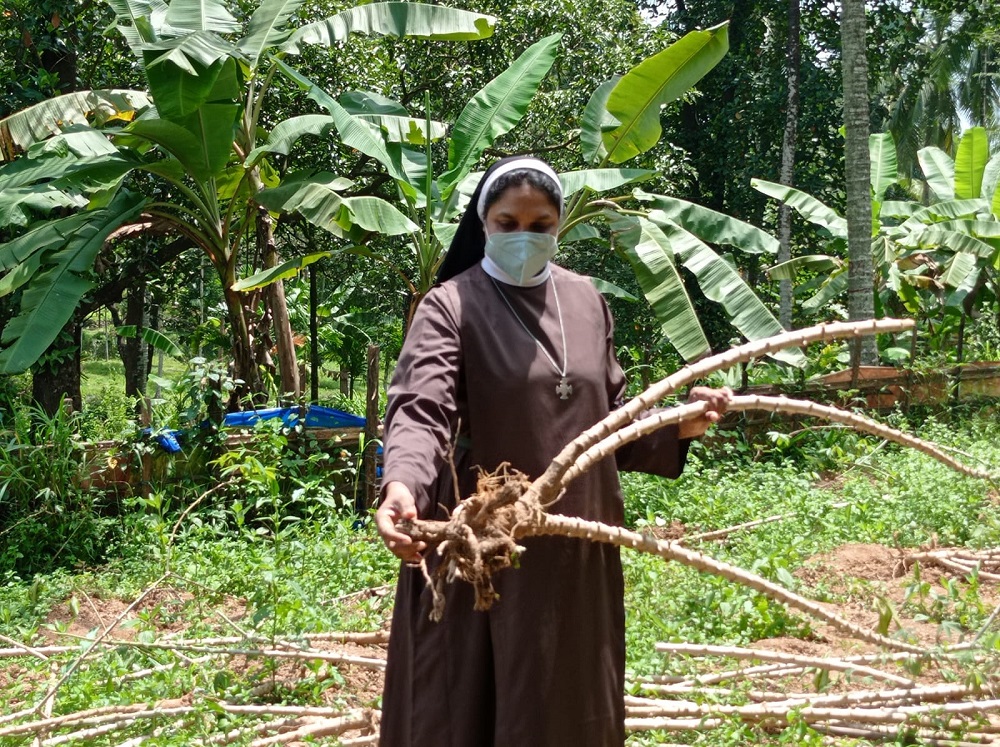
281	557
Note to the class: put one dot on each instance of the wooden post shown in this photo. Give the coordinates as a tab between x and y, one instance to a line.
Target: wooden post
313	337
371	429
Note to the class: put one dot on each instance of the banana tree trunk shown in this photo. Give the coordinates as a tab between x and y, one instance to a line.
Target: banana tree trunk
288	367
245	367
133	349
57	375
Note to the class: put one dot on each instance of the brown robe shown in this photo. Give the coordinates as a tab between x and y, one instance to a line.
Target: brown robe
545	666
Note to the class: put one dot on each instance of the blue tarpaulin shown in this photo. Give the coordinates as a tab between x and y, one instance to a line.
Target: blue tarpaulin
315	417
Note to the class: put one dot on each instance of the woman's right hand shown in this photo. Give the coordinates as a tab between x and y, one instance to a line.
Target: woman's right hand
398	504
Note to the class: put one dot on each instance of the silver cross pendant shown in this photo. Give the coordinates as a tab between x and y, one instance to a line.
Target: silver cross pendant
564	388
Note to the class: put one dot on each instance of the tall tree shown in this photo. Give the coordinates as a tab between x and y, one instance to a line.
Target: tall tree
939	71
793	59
860	287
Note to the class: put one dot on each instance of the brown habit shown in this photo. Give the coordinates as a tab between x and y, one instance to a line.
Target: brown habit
545	667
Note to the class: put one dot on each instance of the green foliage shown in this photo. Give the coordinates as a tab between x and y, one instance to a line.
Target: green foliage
47	519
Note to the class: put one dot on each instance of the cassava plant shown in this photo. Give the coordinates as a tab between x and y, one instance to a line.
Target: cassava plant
481	535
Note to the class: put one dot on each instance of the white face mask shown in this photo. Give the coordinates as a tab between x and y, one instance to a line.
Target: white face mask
521	254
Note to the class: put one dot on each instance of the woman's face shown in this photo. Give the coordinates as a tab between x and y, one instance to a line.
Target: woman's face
522	207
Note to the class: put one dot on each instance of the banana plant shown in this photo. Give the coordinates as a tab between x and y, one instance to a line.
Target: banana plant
663	234
620	122
195	144
931	257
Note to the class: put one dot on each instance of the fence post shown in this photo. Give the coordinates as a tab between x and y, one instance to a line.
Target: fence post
371	429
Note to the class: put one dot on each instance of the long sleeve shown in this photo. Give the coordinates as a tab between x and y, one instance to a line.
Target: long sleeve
422	408
660	453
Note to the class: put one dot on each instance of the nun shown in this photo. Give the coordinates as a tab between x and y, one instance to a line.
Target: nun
508	358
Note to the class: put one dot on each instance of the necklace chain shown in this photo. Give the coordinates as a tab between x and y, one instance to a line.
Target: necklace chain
562	328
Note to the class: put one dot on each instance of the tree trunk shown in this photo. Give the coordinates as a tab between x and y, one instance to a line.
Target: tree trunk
288	367
860	288
313	337
787	177
244	363
57	374
133	350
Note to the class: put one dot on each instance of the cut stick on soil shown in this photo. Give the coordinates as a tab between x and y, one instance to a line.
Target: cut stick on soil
813	662
716	534
50	694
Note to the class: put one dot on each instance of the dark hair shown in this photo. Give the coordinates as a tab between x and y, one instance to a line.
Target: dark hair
517	177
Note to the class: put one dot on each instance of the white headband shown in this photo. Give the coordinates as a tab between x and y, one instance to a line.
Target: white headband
521	163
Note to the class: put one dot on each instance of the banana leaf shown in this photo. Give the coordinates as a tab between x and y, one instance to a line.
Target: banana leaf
601	180
834	286
934	236
54	292
649	252
201	15
970	162
202	143
316	198
287	132
179	93
712	226
958	269
391	117
805	205
813	262
882	152
720	282
494	111
610	289
595	121
154	338
354	132
19	206
637	99
939	170
991	175
287	269
394	19
268	28
22	129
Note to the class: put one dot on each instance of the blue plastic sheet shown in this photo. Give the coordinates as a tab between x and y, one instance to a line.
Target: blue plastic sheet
315	417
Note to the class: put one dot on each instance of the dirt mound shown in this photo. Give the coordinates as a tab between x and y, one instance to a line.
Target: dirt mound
854	560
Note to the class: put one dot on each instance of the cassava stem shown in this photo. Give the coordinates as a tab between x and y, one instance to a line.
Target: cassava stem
547	487
784	405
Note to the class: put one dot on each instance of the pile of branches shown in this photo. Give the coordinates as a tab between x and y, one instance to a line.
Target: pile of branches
884	705
264	725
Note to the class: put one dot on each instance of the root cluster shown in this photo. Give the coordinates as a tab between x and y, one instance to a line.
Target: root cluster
478	540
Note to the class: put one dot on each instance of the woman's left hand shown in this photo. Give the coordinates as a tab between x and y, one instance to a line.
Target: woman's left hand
718	403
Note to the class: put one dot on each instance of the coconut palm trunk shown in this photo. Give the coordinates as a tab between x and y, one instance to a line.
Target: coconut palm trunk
792	60
860	289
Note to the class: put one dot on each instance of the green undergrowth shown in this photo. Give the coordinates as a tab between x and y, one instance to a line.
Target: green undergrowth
274	557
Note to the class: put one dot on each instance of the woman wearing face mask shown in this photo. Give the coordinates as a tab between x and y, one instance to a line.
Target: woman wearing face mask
508	358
